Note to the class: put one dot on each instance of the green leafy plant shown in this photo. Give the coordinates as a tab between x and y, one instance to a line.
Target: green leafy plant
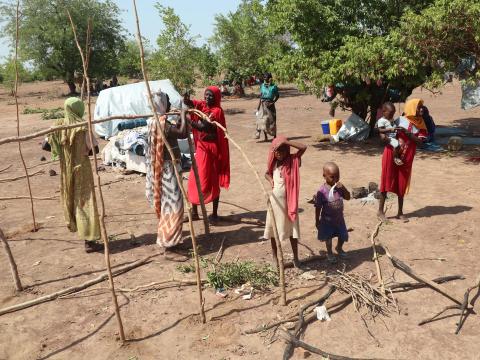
47	114
237	273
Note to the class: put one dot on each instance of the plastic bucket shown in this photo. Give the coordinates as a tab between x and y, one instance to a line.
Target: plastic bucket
326	127
335	125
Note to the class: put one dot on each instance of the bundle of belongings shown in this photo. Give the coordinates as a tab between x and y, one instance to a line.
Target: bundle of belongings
353	129
128	139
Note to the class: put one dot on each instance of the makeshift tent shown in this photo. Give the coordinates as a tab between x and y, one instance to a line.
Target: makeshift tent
129	99
126	148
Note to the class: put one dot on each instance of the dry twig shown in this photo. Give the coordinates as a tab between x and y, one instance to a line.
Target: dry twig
7	198
74	289
18	116
11	261
21	177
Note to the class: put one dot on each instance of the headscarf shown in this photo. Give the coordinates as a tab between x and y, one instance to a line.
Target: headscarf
215	112
411	107
290	172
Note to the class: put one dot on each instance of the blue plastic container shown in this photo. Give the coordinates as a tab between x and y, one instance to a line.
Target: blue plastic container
326	127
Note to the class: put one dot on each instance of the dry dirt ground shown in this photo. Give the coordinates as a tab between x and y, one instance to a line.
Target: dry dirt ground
164	324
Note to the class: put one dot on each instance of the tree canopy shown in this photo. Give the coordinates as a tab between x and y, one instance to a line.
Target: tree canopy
174	58
242	41
371	50
46	37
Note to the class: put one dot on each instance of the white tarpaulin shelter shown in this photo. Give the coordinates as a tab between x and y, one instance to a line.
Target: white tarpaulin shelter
129	99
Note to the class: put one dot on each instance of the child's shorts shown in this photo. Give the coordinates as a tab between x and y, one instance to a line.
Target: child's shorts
328	231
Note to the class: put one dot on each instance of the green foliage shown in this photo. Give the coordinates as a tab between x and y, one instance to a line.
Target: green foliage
46	37
206	64
369	47
242	40
175	57
186	268
444	36
7	71
237	273
47	114
129	60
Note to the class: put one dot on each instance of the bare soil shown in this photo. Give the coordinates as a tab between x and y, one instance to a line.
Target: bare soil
442	207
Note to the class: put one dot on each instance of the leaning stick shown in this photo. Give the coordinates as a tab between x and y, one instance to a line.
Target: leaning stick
172	156
288	352
27	197
397	263
6	168
21	177
283	297
103	229
375	257
74	289
298	343
18	116
199	186
11	261
464	308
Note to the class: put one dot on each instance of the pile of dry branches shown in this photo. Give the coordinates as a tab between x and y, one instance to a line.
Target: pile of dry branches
363	293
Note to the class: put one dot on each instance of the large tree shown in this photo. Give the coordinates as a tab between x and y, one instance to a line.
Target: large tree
175	55
352	44
46	37
242	40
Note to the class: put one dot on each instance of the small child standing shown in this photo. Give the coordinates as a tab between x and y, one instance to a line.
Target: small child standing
283	174
386	126
329	218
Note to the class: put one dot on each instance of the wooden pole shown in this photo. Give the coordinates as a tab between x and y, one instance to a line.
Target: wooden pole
172	156
18	116
103	229
375	257
11	261
281	269
8	198
199	186
53	129
74	289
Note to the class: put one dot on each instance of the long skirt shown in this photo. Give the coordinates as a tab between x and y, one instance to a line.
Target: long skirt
267	118
285	227
394	179
207	159
171	214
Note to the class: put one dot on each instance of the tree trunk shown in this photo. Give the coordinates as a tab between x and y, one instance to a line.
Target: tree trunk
71	87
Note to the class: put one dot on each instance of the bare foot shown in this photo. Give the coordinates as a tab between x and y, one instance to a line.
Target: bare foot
381	216
402	217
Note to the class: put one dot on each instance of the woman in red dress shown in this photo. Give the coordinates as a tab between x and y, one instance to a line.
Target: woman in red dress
412	131
211	152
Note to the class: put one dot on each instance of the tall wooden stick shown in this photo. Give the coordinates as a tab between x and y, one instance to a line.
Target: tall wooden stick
375	257
53	129
281	268
172	156
199	186
11	261
18	117
103	229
